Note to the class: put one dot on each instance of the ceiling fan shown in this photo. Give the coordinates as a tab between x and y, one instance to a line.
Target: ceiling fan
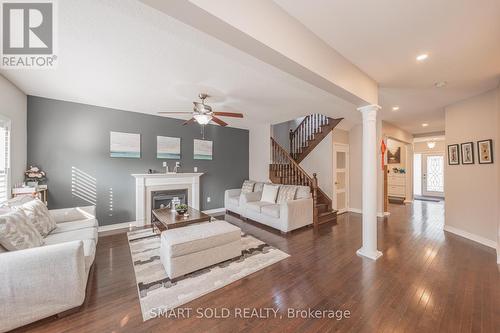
203	113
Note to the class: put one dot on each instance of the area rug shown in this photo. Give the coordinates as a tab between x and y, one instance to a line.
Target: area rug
158	293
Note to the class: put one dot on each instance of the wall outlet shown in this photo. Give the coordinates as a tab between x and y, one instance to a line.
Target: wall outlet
164	164
208	199
195	169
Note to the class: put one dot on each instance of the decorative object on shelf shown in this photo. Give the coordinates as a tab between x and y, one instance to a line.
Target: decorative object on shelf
168	147
126	145
181	209
34	175
453	155
485	151
202	149
394	156
467	149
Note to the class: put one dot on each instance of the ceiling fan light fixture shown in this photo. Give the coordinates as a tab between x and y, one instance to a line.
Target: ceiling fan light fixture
431	144
202	119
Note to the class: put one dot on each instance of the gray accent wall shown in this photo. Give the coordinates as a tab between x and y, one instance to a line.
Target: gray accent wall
72	140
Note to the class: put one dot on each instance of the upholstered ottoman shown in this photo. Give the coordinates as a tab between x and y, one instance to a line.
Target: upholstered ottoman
187	249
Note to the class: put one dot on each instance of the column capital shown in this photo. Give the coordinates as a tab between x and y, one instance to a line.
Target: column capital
369	108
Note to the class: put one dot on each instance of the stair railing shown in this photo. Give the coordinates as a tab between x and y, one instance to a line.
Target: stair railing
306	130
291	173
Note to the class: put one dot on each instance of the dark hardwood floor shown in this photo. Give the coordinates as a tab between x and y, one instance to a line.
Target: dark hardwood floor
427	281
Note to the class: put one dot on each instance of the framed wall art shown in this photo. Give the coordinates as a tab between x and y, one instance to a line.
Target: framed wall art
126	145
485	151
453	155
168	147
467	150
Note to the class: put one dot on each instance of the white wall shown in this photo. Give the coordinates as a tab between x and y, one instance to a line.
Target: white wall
355	167
13	105
472	191
320	161
259	152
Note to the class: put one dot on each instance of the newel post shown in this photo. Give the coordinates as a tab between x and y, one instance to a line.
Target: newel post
290	135
315	199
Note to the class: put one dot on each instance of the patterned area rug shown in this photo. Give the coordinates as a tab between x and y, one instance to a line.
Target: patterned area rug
156	291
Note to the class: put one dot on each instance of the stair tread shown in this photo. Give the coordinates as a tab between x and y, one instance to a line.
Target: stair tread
327	213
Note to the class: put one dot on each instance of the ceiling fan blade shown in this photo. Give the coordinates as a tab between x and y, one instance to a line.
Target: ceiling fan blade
188	122
219	121
167	112
229	114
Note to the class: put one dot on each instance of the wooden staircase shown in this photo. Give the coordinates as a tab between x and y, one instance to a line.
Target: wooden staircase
285	168
310	132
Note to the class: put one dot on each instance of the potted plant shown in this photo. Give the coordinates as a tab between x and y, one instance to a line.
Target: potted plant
181	209
34	175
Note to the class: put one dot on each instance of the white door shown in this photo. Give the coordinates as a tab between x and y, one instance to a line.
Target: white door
341	177
433	175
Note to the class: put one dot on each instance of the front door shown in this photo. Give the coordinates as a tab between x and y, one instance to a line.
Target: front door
433	175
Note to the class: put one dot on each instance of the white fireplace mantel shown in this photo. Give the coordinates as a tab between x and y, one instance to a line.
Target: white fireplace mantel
145	183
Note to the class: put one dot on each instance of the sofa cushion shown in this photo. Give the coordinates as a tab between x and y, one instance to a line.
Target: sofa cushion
256	206
88	236
248	186
270	193
233	200
75	225
286	193
259	187
199	237
303	192
39	216
16	233
271	210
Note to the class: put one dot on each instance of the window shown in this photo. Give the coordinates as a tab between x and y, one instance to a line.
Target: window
4	160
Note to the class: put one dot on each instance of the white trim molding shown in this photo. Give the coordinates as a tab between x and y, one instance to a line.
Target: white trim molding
214	211
470	236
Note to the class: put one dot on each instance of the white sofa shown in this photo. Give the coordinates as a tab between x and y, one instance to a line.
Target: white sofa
285	216
38	282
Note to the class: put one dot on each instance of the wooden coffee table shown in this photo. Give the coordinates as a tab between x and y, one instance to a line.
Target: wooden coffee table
165	219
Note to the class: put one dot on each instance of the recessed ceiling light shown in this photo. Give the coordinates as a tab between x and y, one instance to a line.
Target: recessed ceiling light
425	125
440	84
395	108
422	57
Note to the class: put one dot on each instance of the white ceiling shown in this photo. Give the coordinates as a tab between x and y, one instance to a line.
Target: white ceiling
383	38
126	55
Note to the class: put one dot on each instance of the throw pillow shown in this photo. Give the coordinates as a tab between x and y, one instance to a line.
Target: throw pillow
286	193
269	193
39	216
247	186
16	233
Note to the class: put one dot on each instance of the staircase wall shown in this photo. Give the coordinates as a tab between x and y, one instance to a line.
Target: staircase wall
320	161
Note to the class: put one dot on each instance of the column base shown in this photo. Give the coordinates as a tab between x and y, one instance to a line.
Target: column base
373	255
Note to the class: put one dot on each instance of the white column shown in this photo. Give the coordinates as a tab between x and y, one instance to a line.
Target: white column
369	165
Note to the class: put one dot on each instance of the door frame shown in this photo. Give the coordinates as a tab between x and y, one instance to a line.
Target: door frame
340	147
423	179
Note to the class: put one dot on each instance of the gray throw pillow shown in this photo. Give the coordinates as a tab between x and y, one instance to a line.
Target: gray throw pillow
16	233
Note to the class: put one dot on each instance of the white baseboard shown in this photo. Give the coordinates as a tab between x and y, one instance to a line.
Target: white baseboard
214	211
355	210
472	237
117	226
359	211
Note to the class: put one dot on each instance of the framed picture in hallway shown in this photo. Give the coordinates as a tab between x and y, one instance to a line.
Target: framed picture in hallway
453	155
485	151
467	153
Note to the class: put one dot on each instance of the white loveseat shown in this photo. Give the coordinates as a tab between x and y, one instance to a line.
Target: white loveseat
38	282
282	215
